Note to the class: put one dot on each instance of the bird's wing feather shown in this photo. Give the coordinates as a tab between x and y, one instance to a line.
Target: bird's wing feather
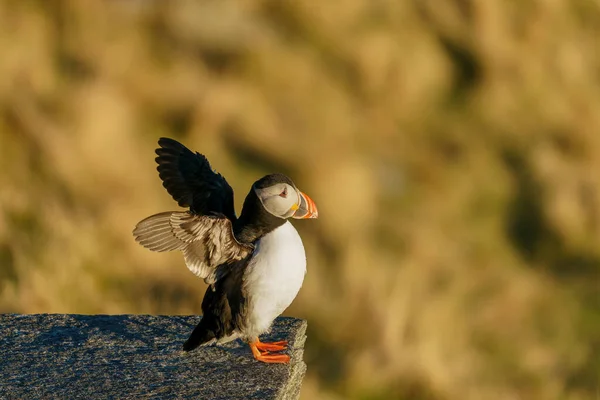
190	180
207	241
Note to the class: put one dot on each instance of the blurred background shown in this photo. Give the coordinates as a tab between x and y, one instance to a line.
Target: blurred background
452	148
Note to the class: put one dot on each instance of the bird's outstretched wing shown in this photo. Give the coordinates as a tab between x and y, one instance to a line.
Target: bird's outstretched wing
206	241
189	178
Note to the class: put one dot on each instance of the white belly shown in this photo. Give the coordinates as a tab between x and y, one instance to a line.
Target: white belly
273	277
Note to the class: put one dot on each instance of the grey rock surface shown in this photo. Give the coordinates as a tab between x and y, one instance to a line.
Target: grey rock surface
57	356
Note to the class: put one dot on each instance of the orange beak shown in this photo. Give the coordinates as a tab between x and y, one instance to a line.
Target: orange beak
306	209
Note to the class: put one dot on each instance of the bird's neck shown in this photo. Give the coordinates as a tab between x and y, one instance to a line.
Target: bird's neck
254	221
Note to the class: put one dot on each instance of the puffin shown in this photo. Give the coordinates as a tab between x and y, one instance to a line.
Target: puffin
254	265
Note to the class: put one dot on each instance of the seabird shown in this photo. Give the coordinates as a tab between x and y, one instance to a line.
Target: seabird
254	265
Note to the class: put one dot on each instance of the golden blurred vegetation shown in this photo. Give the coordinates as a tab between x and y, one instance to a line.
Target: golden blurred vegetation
453	149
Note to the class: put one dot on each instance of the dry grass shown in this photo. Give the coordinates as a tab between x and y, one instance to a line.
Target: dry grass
452	148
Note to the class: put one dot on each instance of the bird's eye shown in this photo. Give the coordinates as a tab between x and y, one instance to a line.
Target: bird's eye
283	193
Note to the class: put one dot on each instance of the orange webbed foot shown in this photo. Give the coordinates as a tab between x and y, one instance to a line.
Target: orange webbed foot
273	358
267	357
273	346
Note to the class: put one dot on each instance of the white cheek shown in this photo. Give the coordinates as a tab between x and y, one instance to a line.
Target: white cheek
277	205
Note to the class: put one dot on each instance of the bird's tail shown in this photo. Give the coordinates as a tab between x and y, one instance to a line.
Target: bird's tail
201	335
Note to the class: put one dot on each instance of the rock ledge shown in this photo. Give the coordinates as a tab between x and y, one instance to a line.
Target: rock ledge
134	356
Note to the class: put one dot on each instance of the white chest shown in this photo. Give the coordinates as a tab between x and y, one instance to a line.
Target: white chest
273	277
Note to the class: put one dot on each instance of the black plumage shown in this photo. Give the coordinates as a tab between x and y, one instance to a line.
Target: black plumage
254	221
189	178
223	307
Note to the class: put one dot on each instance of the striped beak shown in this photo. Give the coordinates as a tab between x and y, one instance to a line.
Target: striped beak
306	209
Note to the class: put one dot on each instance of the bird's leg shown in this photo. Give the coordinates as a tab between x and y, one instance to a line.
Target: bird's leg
265	356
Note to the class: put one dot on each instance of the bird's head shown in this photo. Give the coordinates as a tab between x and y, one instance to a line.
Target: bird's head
281	198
